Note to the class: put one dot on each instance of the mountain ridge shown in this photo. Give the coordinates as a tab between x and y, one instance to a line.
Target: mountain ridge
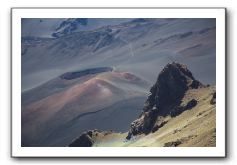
165	97
151	120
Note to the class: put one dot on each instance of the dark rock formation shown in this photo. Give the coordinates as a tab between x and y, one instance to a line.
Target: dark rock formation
91	71
84	140
191	104
213	99
179	141
179	109
172	83
165	97
173	144
158	125
144	124
87	139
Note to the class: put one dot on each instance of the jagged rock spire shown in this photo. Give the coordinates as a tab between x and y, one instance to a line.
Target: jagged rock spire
165	97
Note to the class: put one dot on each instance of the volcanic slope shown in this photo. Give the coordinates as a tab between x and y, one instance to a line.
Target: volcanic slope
80	100
138	46
188	121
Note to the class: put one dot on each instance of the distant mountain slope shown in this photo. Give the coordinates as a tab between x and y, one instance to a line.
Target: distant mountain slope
56	107
138	46
180	111
47	27
69	26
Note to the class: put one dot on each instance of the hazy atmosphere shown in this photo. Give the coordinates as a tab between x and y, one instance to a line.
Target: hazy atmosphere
118	82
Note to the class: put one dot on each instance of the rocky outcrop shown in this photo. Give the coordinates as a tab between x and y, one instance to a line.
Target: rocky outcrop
213	100
84	140
160	122
89	138
172	83
165	98
181	108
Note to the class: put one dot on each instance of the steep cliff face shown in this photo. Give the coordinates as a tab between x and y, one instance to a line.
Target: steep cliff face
165	98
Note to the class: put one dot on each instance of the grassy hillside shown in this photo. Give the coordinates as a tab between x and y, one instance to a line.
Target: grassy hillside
192	128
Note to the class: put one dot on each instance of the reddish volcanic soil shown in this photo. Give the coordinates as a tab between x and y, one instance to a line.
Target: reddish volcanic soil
92	95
